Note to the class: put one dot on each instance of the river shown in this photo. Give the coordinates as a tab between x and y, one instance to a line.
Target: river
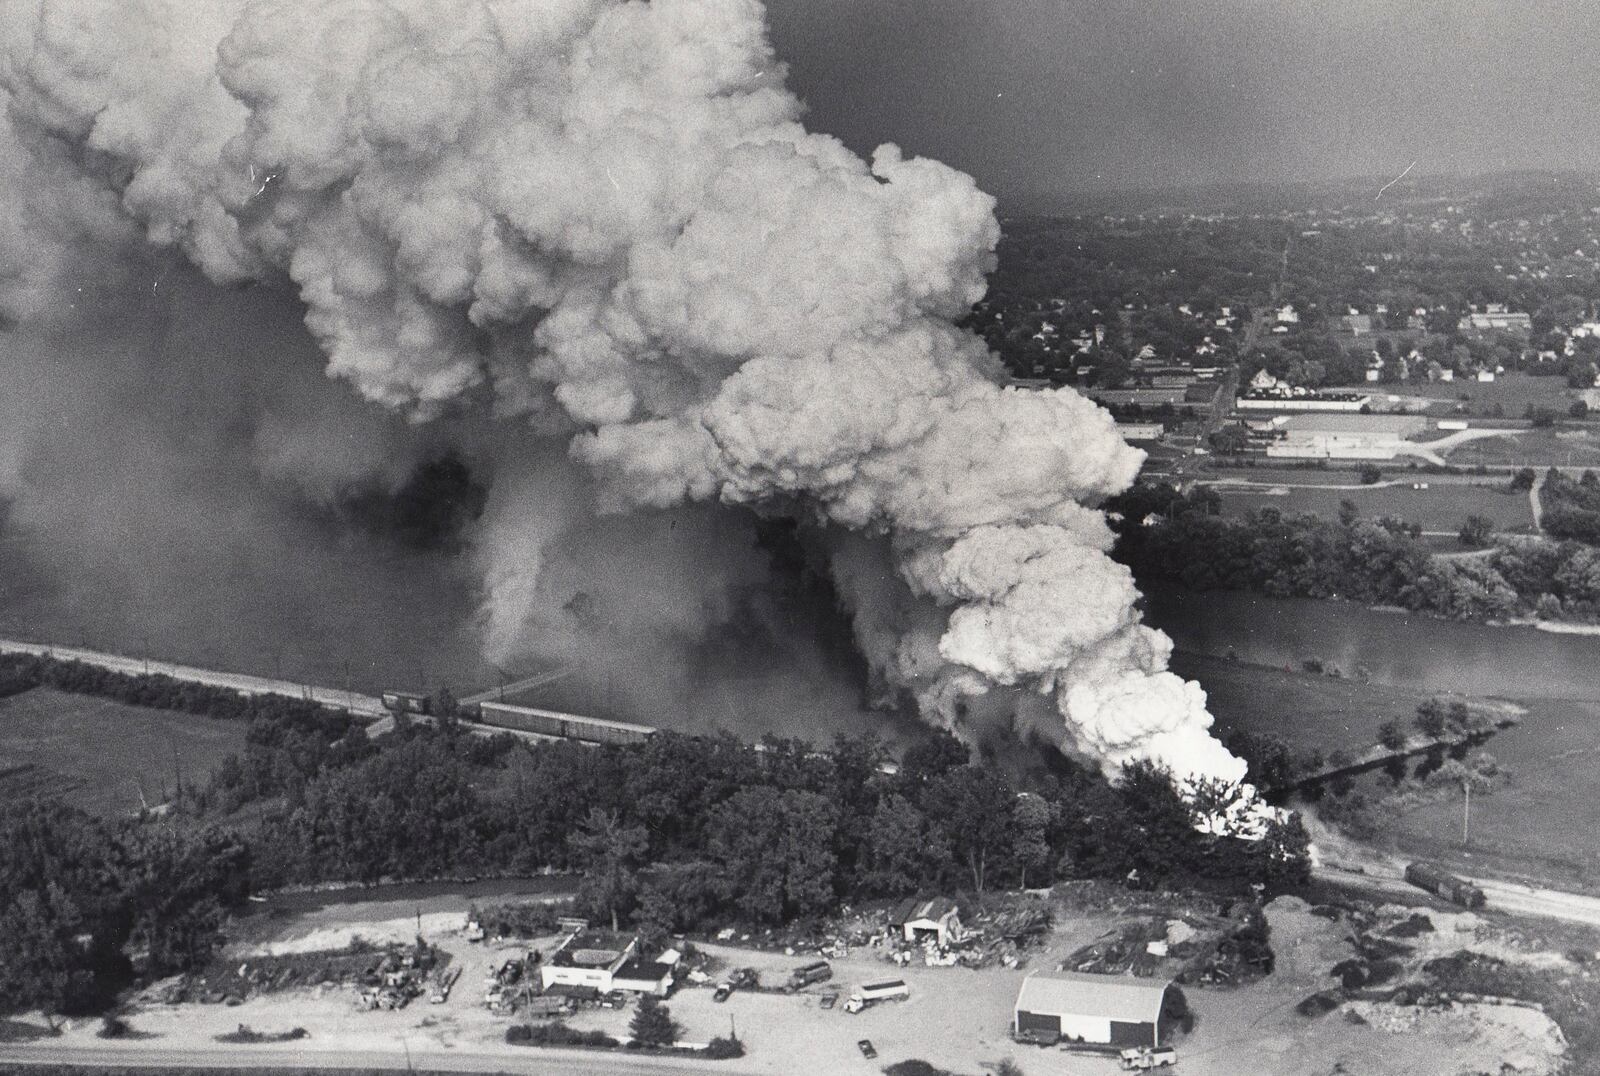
1401	649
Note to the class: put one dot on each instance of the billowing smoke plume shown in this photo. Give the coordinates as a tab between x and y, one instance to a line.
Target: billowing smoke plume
606	217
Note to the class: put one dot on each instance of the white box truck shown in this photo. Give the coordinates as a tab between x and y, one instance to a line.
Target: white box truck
872	993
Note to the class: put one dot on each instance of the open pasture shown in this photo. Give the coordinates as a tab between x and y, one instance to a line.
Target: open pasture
101	755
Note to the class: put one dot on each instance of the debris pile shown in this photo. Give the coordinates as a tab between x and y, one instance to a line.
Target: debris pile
387	978
1211	950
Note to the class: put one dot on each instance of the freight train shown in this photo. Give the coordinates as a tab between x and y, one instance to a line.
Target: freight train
563	726
1442	883
504	715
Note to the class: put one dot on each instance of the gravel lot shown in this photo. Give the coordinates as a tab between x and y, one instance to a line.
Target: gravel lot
957	1017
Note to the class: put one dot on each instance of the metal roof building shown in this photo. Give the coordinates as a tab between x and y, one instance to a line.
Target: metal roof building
939	918
1104	1009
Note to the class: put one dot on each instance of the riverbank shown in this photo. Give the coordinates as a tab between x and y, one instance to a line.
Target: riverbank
1392	648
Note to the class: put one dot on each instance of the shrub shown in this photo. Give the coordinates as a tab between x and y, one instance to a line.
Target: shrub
1430	719
557	1034
1391	735
248	1034
915	1068
652	1024
1317	1005
723	1048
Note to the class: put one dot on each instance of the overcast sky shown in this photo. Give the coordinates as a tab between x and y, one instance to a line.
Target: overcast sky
1035	97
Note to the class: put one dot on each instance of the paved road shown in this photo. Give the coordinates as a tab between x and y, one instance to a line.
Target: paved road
543	1062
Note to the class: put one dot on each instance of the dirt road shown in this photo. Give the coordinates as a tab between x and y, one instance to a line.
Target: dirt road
363	705
1518	899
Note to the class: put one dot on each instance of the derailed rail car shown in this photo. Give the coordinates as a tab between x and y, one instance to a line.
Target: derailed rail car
406	702
596	730
1441	883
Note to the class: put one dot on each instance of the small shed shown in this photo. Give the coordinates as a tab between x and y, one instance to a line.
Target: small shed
1107	1010
920	920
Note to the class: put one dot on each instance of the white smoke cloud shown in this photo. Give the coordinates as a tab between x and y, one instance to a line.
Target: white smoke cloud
606	216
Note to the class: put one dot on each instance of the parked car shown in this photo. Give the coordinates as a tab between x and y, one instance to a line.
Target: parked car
1037	1037
614	1000
868	1050
1142	1058
723	992
829	1000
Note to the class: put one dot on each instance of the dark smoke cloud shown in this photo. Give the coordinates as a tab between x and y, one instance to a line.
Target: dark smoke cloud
604	220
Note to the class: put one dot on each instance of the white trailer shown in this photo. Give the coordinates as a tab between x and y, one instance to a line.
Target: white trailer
872	993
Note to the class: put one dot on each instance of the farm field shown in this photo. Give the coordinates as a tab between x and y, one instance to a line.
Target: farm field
100	755
1443	506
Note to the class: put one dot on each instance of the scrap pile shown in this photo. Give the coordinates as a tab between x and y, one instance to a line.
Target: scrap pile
1211	950
402	974
387	978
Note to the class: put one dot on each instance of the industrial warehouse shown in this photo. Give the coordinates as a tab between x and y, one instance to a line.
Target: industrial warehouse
1098	1009
1344	436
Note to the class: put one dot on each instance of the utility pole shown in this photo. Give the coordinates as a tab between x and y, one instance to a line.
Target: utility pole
1466	811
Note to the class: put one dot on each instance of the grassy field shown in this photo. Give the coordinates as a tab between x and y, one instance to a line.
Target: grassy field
1443	506
1578	447
1513	393
1304	709
100	754
1543	821
1540	823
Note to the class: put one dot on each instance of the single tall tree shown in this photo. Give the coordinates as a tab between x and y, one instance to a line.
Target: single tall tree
653	1024
610	853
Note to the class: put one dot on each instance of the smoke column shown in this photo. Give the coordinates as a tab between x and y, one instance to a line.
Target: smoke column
607	219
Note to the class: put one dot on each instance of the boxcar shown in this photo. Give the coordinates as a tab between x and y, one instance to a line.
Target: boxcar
563	726
404	702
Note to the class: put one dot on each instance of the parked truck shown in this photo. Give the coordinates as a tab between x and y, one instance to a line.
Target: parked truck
819	972
872	993
1442	883
546	1006
443	980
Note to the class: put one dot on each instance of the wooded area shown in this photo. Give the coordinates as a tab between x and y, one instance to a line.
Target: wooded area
672	834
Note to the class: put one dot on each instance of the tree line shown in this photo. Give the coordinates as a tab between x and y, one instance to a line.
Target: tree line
1169	537
680	831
